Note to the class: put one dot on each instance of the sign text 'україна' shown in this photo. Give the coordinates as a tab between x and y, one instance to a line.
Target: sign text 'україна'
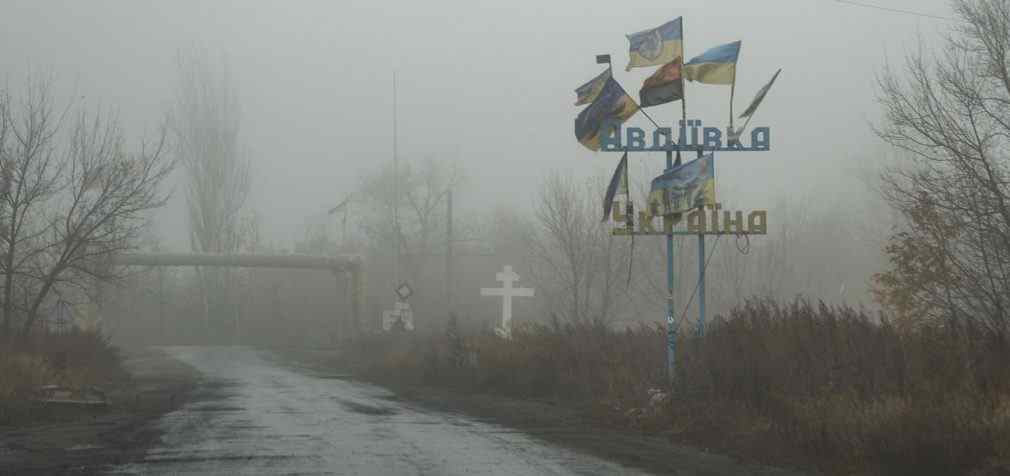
698	221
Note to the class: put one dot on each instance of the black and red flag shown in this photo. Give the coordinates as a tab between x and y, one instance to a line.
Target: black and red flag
665	85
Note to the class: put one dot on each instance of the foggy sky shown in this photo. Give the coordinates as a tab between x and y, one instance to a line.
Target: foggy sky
487	83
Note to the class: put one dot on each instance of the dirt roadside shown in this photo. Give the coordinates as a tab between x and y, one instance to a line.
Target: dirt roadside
91	441
553	422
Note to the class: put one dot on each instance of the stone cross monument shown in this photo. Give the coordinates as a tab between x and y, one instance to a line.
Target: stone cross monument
507	292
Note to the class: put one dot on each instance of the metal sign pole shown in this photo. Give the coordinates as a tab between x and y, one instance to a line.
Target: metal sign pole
701	285
671	331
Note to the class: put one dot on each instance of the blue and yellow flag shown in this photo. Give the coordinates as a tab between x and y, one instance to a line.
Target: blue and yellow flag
686	187
611	107
588	92
715	66
659	45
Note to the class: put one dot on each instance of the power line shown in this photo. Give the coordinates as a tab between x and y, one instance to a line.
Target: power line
697	284
895	10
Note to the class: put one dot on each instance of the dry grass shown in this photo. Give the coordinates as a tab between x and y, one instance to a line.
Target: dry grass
74	360
852	394
826	387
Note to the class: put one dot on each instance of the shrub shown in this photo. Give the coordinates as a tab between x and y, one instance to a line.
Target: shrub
75	360
828	387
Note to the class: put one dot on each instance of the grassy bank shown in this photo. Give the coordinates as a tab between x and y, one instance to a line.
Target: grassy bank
76	361
817	386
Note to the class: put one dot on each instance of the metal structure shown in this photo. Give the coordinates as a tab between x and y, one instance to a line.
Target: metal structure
351	265
635	141
671	324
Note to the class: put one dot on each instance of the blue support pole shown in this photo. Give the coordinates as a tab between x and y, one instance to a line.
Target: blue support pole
701	285
671	331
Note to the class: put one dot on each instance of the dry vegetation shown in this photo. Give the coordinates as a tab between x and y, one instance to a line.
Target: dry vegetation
72	195
76	360
813	385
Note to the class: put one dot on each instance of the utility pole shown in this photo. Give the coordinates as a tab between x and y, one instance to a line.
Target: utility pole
448	250
396	193
161	302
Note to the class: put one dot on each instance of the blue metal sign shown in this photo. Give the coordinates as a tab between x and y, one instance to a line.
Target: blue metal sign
691	137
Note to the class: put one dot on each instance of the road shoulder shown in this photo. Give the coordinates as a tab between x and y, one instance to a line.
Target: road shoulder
554	423
89	441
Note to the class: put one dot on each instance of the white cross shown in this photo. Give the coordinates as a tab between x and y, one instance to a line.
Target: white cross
507	292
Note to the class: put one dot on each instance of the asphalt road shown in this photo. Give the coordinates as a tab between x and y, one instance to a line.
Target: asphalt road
266	418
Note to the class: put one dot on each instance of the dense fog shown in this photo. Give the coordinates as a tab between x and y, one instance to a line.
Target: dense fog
316	98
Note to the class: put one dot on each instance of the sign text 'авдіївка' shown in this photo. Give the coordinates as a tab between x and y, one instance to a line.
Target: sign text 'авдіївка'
691	136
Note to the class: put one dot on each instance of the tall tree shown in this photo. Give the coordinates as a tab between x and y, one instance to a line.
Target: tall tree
205	124
950	114
67	208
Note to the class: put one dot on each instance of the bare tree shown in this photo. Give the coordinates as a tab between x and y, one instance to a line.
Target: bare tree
576	257
67	209
205	123
950	114
418	224
31	170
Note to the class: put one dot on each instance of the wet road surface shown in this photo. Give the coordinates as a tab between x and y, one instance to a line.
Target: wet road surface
265	418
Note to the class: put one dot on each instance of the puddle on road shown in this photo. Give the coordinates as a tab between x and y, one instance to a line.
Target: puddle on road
204	459
366	409
334	376
215	408
84	447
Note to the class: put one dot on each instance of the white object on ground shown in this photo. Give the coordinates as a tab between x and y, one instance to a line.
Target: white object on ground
401	311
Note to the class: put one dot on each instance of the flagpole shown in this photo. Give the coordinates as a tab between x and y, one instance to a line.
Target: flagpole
627	185
701	237
683	87
745	123
640	108
732	87
396	192
629	214
671	330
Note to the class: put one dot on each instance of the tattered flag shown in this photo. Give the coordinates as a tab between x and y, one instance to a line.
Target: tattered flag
665	85
618	183
611	107
760	96
589	91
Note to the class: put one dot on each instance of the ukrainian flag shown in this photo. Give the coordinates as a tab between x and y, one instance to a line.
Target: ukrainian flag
611	106
588	92
657	46
715	66
685	187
